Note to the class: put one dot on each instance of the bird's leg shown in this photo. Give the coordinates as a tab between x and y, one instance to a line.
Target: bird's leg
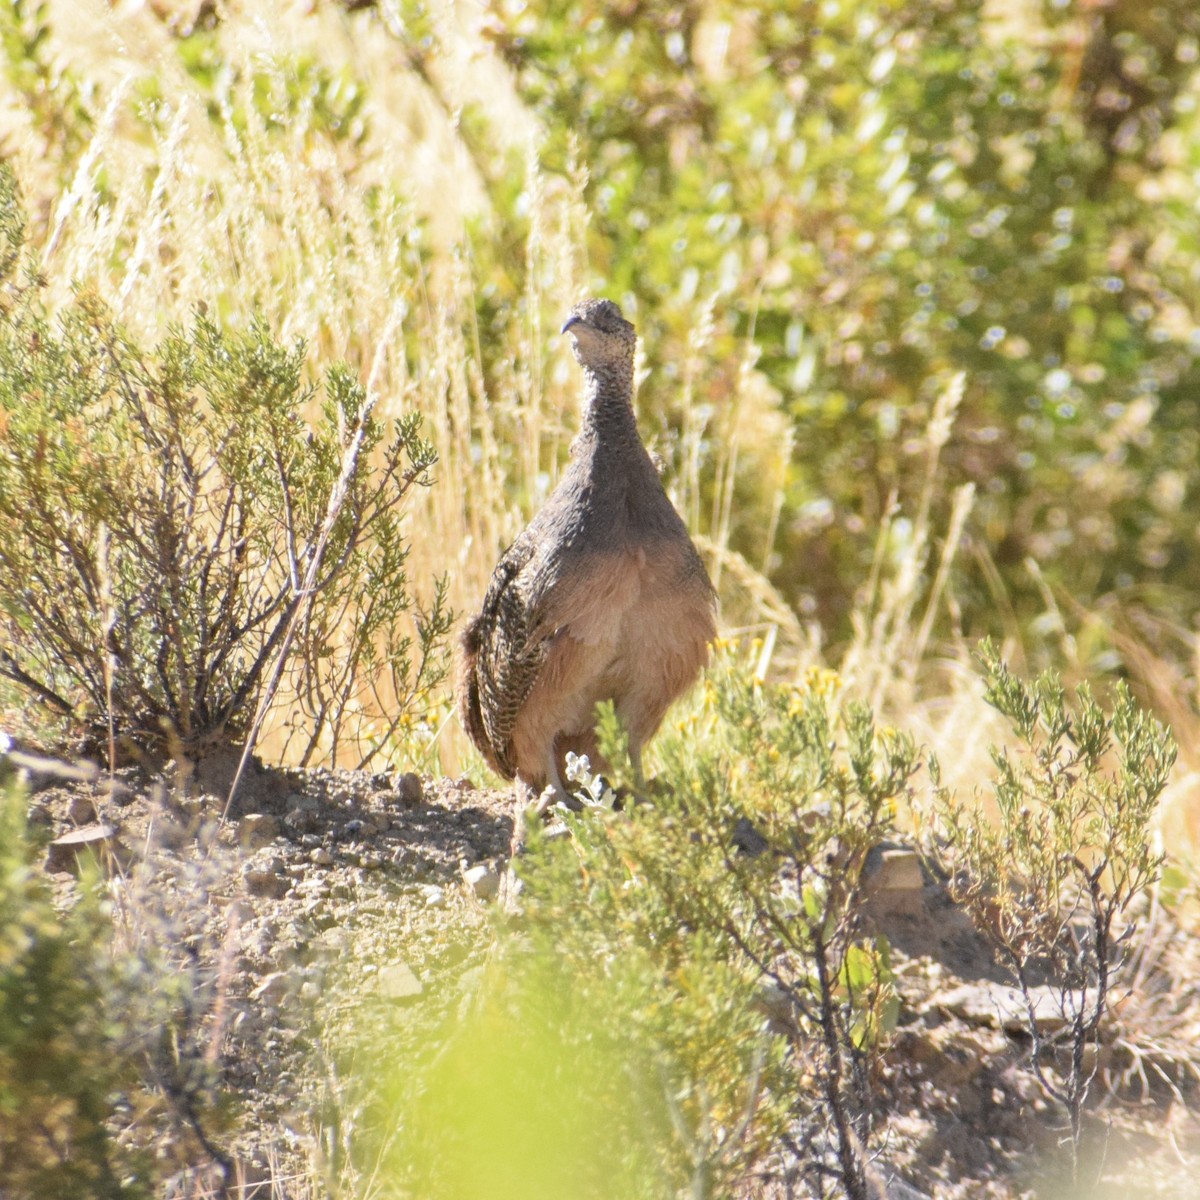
638	792
525	798
532	805
524	793
555	791
635	762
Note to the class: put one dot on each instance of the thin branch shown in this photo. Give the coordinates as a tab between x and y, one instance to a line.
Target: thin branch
10	668
337	499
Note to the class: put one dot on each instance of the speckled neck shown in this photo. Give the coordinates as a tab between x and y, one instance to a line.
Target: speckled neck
608	417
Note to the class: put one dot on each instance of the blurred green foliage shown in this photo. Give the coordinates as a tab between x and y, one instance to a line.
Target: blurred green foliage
880	193
53	96
288	92
534	1090
63	1065
728	910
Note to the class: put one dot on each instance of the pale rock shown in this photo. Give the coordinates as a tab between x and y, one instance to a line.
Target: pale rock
398	982
258	829
483	880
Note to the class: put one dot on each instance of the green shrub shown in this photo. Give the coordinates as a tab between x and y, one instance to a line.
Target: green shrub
172	521
1053	876
727	908
62	1064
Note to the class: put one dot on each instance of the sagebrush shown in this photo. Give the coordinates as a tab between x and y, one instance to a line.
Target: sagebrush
172	518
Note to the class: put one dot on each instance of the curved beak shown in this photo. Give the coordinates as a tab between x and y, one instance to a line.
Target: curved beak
571	320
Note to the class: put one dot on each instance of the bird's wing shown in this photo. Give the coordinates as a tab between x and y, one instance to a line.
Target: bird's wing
534	600
508	659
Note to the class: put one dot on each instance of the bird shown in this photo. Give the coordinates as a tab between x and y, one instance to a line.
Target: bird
603	595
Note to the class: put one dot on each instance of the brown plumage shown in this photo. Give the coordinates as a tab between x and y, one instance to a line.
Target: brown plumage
601	597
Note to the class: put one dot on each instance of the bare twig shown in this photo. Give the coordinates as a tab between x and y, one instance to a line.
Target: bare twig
337	499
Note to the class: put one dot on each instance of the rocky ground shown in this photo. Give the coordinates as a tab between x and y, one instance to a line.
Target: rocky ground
325	902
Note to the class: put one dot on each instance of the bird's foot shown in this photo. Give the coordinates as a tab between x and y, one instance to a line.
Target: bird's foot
540	811
551	796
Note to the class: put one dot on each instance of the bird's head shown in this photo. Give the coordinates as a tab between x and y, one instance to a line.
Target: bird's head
601	337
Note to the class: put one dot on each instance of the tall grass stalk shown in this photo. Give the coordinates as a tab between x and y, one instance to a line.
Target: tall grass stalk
886	646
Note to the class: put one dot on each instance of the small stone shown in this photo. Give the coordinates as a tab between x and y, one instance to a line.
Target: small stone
896	869
435	896
193	806
333	942
371	862
483	881
258	829
39	815
298	802
115	792
410	862
179	773
398	982
310	991
98	840
409	790
893	878
273	989
321	857
81	810
302	822
268	879
995	1006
